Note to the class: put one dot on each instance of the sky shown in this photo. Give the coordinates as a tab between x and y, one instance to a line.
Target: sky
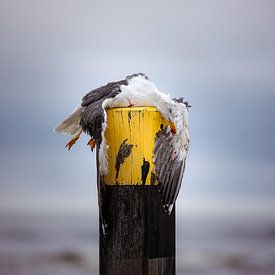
218	54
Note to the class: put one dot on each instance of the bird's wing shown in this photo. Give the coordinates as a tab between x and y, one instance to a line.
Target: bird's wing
109	90
70	125
169	165
103	92
93	114
101	192
92	119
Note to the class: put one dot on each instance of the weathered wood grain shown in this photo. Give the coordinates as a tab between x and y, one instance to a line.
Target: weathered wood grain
141	235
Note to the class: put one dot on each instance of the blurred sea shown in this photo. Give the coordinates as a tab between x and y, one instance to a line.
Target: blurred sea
32	244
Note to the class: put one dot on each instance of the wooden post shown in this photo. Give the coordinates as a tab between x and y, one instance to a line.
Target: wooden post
141	235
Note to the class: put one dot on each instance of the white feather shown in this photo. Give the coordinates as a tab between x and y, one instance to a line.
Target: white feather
143	92
70	125
103	149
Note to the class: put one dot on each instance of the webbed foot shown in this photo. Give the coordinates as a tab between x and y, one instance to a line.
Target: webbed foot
73	141
91	143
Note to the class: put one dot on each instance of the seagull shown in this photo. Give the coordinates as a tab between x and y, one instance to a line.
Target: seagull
171	142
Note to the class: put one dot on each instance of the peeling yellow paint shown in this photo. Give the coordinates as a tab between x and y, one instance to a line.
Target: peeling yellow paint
135	126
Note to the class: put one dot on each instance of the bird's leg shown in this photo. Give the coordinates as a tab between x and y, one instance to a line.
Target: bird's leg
172	127
73	140
91	143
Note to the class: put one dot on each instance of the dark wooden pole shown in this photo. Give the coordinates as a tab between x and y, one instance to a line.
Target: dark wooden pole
140	234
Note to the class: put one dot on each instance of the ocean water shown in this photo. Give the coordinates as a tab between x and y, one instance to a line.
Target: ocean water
60	244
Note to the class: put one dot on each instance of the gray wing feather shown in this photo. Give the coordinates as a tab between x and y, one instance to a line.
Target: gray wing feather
106	91
101	192
169	170
92	120
93	114
109	90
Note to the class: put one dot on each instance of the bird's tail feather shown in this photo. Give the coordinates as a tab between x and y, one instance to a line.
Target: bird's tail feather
71	125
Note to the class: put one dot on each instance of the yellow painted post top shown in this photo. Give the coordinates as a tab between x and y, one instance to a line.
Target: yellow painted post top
131	136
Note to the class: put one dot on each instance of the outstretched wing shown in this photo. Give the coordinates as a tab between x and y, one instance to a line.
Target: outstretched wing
170	156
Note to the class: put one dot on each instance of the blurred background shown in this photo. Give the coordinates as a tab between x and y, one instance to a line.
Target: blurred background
218	54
